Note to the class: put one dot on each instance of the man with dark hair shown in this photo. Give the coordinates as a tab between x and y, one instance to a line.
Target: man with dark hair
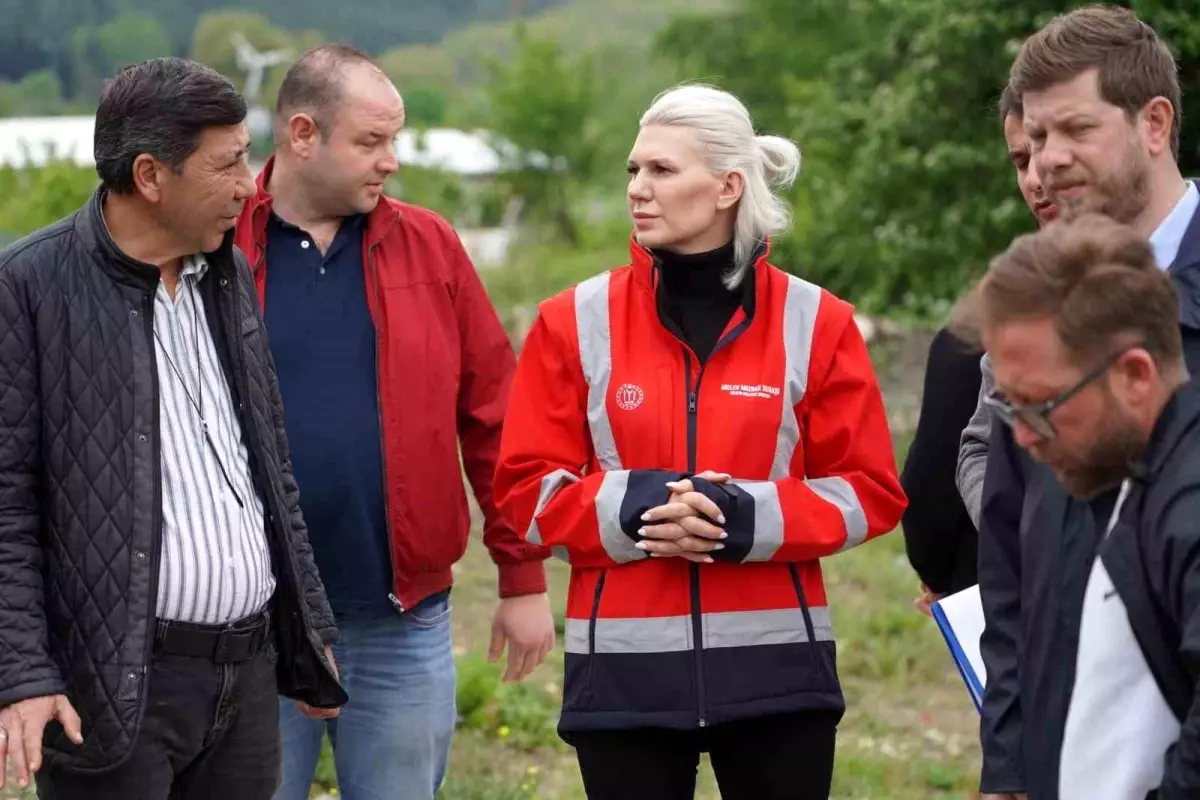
1084	312
1101	109
943	473
973	444
158	585
390	356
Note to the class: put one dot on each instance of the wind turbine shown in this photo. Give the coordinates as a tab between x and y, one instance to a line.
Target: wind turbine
255	65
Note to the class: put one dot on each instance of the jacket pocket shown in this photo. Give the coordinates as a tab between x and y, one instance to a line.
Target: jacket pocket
592	619
430	613
594	615
579	660
808	623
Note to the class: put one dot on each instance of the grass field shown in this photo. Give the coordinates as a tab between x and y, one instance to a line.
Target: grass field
909	732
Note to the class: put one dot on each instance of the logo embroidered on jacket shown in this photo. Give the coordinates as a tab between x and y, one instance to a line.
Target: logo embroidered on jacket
630	396
750	390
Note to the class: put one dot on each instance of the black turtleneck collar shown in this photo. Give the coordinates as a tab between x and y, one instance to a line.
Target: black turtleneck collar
693	301
695	274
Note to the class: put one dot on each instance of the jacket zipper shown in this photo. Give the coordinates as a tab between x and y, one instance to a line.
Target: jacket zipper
694	568
693	408
156	527
387	510
693	404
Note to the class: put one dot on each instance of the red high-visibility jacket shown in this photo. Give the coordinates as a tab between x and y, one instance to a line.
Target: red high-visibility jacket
607	405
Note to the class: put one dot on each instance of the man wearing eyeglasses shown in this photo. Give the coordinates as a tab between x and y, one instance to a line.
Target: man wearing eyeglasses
1084	314
1102	111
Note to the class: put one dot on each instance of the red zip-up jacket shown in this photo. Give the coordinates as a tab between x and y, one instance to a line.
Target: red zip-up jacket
608	405
445	368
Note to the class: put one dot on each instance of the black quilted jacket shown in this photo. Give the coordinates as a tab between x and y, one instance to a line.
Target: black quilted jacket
80	487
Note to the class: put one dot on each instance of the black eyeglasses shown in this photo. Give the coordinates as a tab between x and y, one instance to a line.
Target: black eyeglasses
1036	416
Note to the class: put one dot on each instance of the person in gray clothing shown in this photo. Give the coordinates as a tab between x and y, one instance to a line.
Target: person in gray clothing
973	446
943	473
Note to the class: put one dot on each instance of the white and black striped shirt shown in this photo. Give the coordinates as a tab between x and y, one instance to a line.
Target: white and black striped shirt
215	565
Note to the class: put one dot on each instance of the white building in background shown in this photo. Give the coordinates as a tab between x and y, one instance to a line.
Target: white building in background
33	141
473	155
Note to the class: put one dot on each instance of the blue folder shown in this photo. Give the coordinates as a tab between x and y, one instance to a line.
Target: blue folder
960	619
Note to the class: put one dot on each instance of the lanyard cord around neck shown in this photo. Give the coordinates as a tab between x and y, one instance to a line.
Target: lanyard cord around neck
198	405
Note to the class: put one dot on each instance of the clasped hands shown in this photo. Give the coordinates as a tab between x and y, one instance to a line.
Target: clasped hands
679	528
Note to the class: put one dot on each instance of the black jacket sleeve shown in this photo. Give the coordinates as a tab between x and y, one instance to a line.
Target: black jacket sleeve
26	669
1001	730
938	532
320	614
1181	537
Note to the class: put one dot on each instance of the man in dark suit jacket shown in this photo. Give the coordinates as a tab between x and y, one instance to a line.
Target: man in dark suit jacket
1102	110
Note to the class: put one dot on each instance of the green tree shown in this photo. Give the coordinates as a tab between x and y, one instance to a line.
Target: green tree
130	39
906	192
545	105
8	99
38	93
424	107
99	53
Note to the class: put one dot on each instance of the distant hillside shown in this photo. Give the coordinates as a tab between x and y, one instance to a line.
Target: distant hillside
35	34
615	30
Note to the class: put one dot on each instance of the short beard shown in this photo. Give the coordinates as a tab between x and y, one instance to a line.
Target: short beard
1124	195
1107	461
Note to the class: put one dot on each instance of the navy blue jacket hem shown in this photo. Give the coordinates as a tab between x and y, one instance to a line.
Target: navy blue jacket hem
686	720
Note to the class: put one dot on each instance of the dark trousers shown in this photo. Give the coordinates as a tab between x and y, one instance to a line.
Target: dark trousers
210	732
765	758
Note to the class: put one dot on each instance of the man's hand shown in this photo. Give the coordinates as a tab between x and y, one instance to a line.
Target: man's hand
924	603
1004	796
321	713
21	727
527	626
677	529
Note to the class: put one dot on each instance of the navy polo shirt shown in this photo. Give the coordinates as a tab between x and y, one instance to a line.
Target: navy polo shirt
323	342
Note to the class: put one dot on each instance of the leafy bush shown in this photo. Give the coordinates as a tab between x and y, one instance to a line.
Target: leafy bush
520	714
34	197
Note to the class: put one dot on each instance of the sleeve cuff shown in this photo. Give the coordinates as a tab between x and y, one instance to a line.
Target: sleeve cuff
329	636
994	781
646	489
527	577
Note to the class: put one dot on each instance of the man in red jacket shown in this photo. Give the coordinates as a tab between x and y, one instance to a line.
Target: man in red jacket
389	357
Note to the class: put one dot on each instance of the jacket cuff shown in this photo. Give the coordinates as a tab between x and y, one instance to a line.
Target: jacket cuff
329	636
525	577
35	688
646	489
737	506
998	781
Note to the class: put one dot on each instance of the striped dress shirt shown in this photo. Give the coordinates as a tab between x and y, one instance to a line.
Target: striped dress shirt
215	565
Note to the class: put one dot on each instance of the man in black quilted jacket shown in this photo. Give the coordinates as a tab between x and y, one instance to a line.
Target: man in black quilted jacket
157	588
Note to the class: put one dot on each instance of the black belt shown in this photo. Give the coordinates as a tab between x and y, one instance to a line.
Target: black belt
221	644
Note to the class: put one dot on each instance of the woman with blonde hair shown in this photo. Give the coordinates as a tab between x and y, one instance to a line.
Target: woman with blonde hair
693	432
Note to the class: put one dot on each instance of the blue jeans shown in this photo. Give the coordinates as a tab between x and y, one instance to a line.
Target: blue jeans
392	740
